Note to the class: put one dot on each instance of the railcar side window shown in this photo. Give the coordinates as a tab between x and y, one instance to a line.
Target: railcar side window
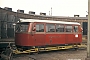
59	28
75	28
39	27
50	27
68	28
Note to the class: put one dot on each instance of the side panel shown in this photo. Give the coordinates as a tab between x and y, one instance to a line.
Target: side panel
73	38
69	38
24	39
63	38
55	39
39	39
78	38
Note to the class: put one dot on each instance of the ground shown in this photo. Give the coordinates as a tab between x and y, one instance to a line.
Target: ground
55	55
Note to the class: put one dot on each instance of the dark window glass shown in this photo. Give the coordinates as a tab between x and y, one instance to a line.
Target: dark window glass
68	28
22	27
75	28
50	27
39	27
59	28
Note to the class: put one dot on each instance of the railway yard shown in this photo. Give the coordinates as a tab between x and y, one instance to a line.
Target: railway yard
7	32
68	54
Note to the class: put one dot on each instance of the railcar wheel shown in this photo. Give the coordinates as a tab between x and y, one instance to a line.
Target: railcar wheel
38	51
76	49
31	53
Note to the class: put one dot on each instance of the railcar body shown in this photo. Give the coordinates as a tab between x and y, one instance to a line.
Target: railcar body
41	33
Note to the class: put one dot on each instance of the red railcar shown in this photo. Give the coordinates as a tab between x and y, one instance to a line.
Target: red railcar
41	33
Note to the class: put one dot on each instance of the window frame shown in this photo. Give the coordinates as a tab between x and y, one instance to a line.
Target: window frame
19	27
71	29
43	27
48	30
77	29
62	26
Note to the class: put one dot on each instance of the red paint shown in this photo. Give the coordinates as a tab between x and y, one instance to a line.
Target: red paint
24	39
32	38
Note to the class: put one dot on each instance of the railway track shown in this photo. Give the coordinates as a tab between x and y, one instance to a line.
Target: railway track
52	48
48	49
51	54
34	50
11	42
54	55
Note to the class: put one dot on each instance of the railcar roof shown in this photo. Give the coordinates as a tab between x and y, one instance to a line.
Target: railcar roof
48	21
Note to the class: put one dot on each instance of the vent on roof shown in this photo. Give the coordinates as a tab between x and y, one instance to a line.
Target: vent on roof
42	13
31	12
86	15
76	15
20	11
7	8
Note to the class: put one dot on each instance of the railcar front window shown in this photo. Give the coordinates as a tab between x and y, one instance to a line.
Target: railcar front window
39	27
21	27
50	27
75	28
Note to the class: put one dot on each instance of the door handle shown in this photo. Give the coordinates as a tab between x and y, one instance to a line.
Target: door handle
50	41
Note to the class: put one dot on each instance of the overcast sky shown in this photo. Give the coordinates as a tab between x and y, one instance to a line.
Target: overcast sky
59	7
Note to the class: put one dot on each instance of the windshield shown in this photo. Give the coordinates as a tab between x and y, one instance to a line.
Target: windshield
22	27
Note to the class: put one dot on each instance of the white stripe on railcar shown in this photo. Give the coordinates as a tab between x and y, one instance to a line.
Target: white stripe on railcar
48	21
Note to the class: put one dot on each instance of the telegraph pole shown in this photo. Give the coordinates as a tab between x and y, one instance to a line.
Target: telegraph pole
88	42
51	11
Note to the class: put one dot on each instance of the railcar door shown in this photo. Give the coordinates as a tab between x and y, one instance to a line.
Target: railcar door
39	36
77	35
69	34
